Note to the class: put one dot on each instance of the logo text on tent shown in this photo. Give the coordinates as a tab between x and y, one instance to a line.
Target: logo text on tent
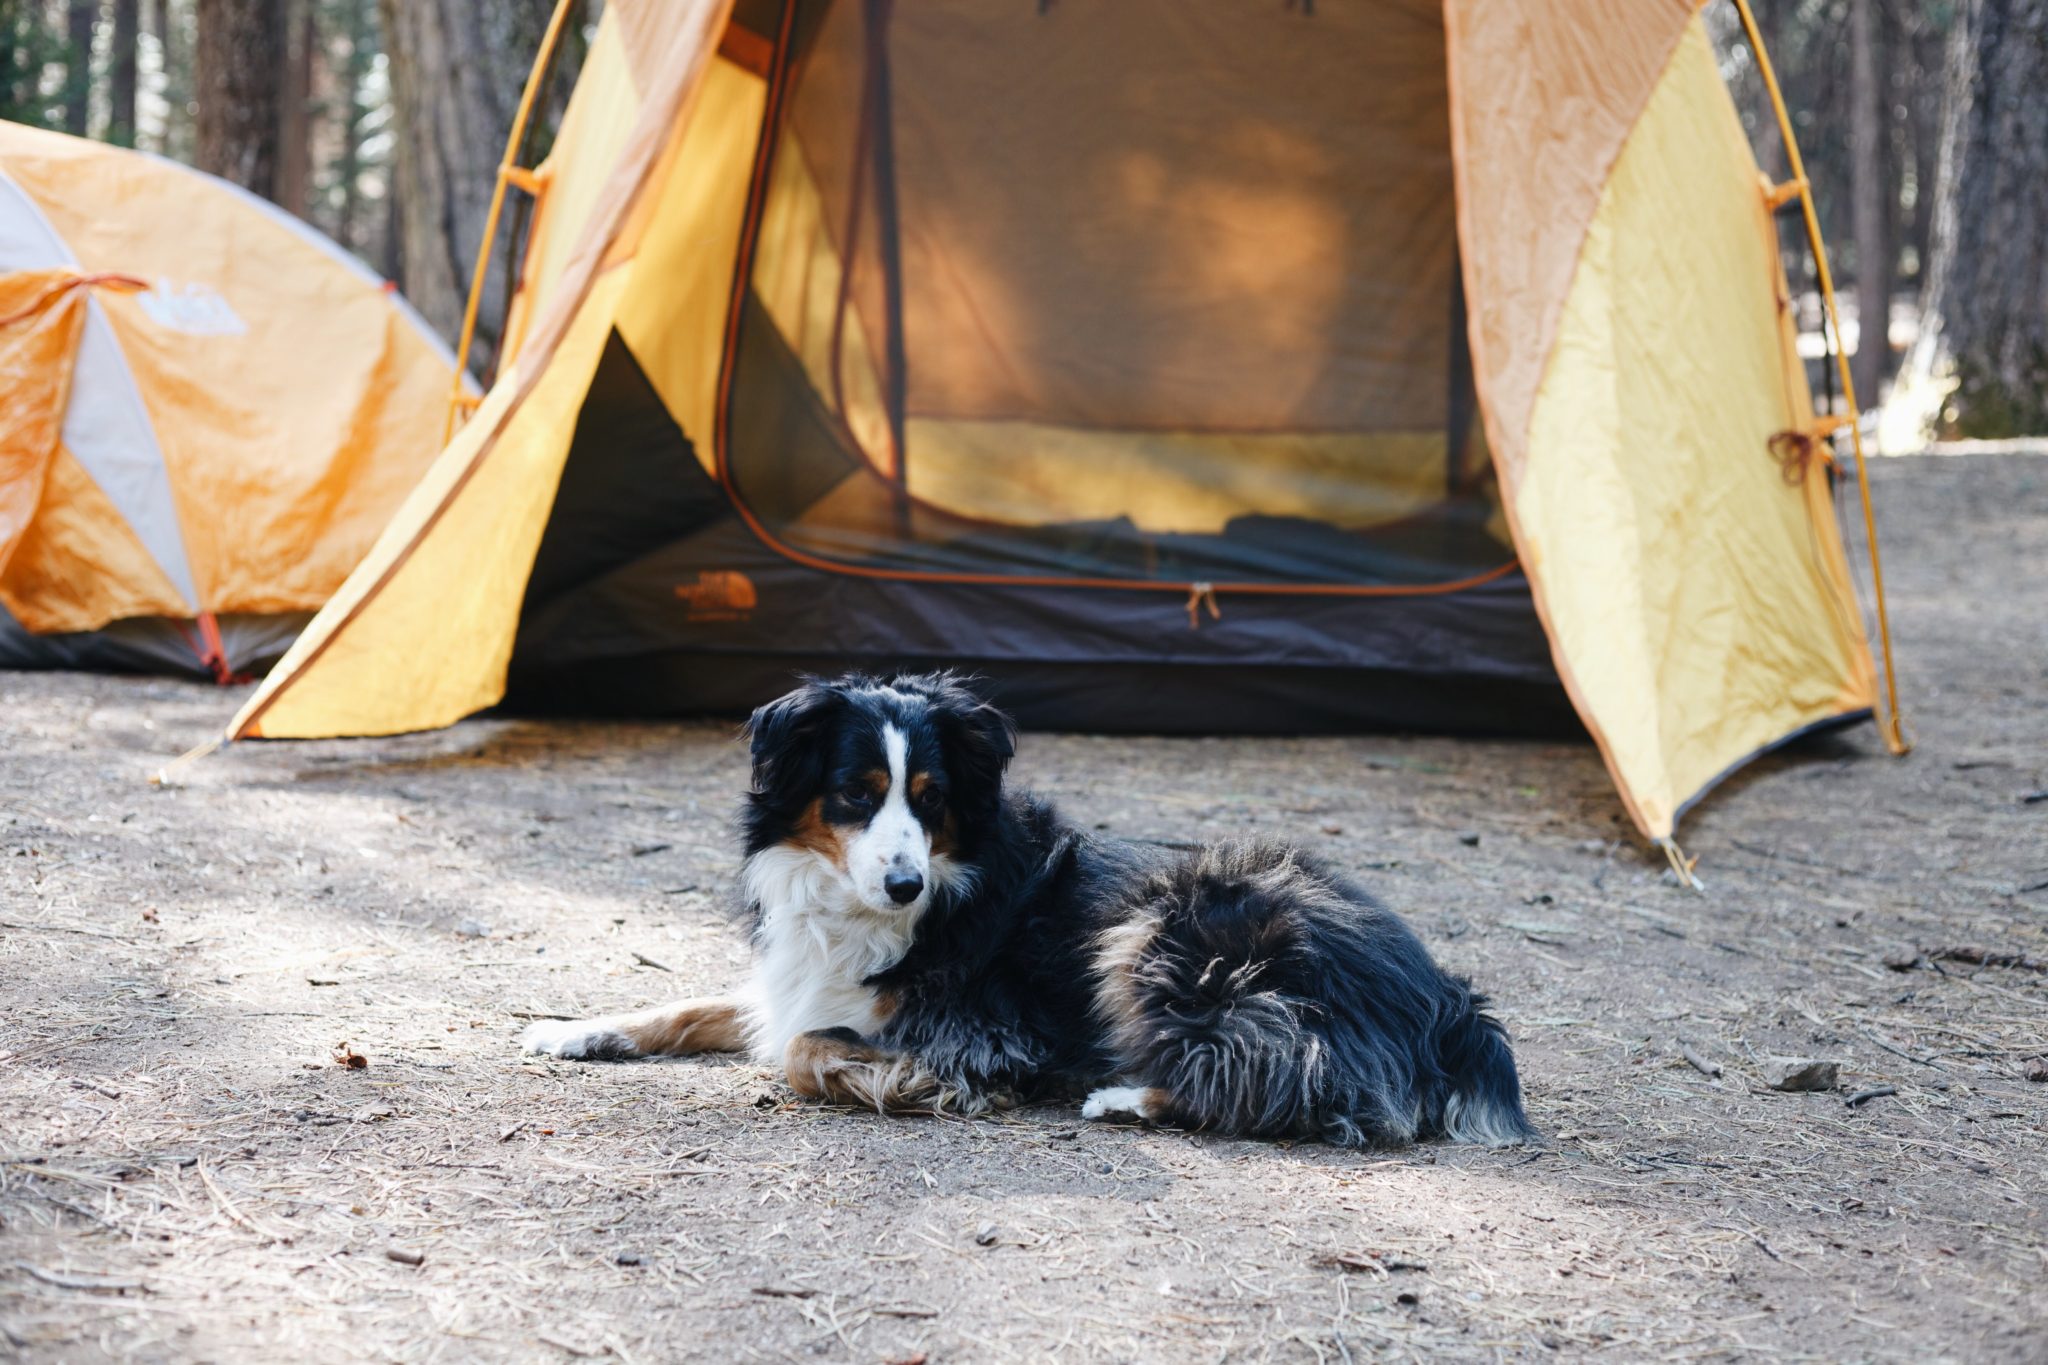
193	309
718	595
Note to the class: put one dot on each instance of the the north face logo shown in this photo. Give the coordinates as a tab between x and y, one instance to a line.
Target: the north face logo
718	595
193	309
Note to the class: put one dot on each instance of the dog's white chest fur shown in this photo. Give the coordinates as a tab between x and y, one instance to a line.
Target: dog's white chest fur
816	946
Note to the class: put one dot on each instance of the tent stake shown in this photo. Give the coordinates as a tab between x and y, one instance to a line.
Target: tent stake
172	774
1681	866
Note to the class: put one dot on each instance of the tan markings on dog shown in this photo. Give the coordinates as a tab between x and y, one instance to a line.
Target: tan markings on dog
946	838
920	783
687	1027
1119	952
877	780
814	832
823	1067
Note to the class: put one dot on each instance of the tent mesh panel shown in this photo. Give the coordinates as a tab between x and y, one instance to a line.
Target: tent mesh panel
1123	289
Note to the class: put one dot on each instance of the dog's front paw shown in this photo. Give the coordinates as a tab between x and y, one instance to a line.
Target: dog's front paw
1121	1104
577	1040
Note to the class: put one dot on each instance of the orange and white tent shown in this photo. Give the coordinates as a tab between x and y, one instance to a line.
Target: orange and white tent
1176	364
208	411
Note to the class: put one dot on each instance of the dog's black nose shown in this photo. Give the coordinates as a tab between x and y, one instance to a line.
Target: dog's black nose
903	887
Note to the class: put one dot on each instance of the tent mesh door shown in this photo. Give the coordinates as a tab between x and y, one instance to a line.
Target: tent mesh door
1121	289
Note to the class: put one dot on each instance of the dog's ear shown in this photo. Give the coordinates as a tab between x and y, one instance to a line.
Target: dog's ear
979	738
788	741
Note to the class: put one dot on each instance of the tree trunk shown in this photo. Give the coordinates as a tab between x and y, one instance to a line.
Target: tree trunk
394	243
238	74
1921	40
457	67
295	114
121	72
1987	292
359	29
1869	218
18	32
1770	141
78	64
160	23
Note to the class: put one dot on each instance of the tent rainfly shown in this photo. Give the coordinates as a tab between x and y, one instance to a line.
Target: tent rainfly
209	412
1175	364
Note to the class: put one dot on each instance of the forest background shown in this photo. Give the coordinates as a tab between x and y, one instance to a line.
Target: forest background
381	122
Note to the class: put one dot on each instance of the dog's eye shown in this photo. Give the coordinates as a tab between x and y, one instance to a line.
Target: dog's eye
931	798
856	794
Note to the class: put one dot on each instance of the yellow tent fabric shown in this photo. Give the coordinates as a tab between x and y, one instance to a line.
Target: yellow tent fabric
238	405
1591	167
664	64
1647	576
449	570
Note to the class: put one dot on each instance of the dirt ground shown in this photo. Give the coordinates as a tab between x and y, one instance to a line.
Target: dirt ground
187	1174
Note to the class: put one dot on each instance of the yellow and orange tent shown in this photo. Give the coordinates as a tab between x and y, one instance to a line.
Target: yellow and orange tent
208	411
1177	364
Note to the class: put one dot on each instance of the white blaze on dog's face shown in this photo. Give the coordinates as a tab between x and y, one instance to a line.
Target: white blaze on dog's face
889	858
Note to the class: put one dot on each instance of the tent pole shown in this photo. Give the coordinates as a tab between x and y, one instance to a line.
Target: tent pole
1891	725
1457	411
509	172
895	380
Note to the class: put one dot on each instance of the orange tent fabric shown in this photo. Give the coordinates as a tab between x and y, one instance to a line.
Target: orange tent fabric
209	411
41	318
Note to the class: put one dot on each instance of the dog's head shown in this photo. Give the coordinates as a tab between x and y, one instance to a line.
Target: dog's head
890	783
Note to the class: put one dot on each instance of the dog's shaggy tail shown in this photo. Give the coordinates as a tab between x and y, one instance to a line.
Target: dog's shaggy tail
1202	1022
1484	1103
1249	991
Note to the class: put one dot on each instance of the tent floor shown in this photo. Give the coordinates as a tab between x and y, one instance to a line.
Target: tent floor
152	645
1102	698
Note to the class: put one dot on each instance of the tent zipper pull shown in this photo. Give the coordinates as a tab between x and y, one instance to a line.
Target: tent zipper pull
1200	595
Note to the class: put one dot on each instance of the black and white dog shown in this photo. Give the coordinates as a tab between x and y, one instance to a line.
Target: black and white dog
925	940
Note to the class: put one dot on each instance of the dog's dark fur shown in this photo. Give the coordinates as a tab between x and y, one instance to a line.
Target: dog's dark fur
1244	988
